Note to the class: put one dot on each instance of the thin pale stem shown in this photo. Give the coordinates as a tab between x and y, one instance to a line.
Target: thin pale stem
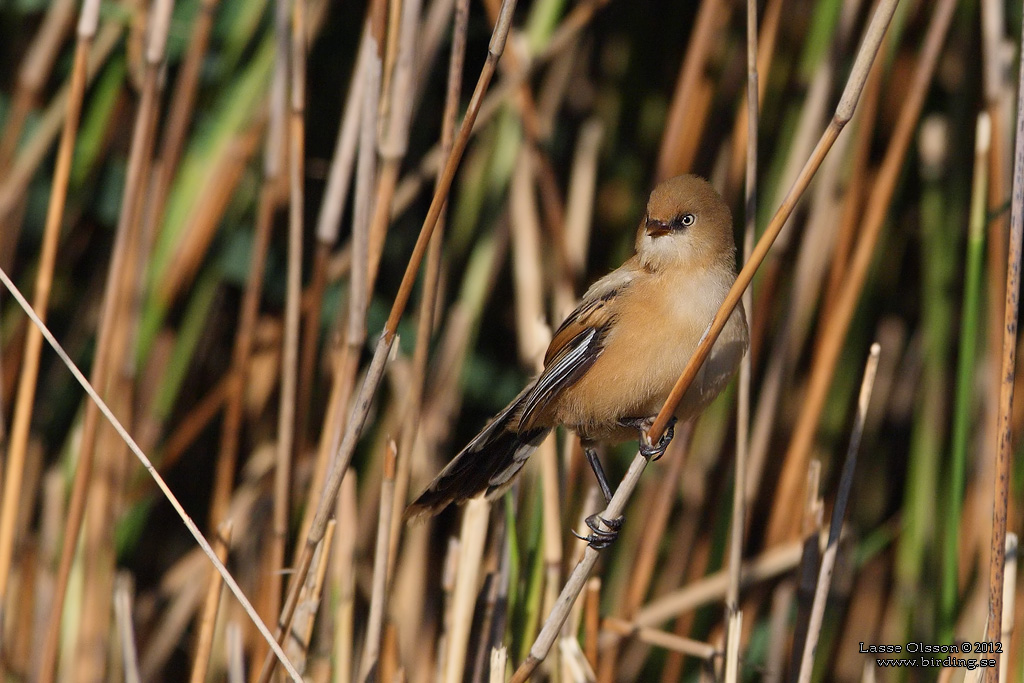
146	463
834	334
828	560
845	109
17	448
1004	447
743	399
375	373
204	642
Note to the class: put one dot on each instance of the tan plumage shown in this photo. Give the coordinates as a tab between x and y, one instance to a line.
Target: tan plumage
617	356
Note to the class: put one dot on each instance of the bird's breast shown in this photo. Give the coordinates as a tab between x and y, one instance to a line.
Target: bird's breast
658	322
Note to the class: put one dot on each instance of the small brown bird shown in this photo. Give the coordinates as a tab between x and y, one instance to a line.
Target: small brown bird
613	362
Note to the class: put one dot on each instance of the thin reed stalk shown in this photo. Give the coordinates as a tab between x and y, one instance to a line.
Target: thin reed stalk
833	335
181	111
142	138
208	622
734	617
14	466
431	278
828	560
844	112
35	69
375	372
125	630
189	524
1001	483
368	667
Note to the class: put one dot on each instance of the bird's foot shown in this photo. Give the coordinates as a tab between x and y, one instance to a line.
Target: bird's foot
654	451
603	532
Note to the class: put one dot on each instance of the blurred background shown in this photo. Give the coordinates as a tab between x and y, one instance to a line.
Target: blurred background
214	203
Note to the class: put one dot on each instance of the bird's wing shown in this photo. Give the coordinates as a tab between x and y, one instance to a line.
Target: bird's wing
575	346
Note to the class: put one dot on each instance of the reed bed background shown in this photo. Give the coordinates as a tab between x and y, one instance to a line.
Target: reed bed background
212	204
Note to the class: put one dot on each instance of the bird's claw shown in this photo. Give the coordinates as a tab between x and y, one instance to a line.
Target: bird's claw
603	532
654	451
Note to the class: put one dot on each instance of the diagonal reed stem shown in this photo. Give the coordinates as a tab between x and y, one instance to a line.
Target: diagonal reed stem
189	524
844	111
16	453
357	418
828	560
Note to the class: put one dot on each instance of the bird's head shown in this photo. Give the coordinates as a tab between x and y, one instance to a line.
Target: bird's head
687	225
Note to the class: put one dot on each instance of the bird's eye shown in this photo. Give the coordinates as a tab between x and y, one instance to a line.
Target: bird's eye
686	220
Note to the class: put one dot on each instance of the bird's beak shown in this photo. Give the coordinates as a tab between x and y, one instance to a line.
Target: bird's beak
657	228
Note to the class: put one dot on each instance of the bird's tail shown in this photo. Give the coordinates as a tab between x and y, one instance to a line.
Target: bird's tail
486	465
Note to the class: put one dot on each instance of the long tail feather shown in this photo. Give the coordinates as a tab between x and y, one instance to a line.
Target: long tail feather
486	465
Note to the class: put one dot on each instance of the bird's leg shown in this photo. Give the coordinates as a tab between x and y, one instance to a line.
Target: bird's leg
600	537
602	480
643	424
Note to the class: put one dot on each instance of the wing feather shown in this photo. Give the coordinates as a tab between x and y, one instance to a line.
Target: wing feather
576	344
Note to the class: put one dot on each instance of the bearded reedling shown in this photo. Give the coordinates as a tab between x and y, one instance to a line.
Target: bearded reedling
614	360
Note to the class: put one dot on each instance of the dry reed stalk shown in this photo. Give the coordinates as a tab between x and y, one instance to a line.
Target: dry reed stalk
499	661
579	209
1009	603
778	625
17	446
119	271
309	602
51	522
429	296
692	97
471	547
357	418
834	333
544	174
35	149
236	653
27	575
35	69
734	633
812	518
799	308
182	104
652	636
98	562
843	113
764	49
854	195
769	564
592	620
375	621
346	359
551	519
828	560
1001	482
126	632
173	621
332	208
532	336
561	39
285	444
190	525
343	581
227	455
997	69
739	508
655	522
211	604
